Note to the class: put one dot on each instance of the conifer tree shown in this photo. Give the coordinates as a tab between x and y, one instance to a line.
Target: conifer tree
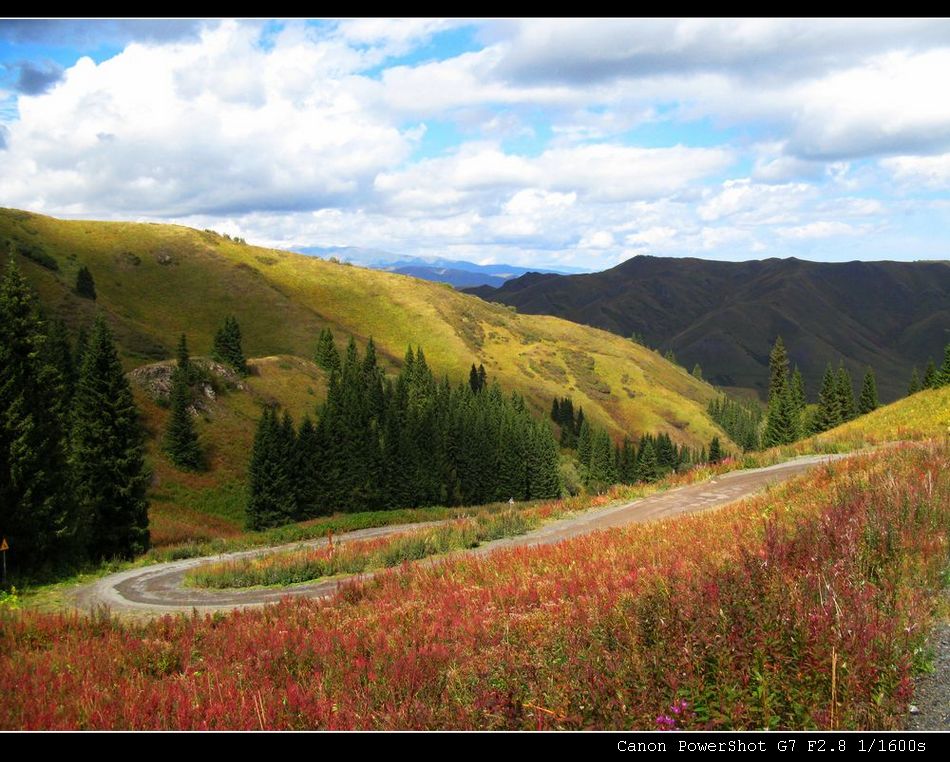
602	468
627	462
482	376
85	285
326	355
868	400
930	375
58	353
271	498
107	454
475	380
36	510
697	372
829	407
584	444
778	370
845	394
915	385
715	450
782	425
943	375
648	469
227	346
798	390
181	438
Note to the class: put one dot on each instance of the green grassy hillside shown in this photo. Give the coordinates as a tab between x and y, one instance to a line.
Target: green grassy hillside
157	281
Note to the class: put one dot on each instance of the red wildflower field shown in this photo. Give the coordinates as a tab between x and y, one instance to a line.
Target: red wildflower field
805	607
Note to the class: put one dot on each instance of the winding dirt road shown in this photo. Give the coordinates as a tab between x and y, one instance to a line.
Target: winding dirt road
157	590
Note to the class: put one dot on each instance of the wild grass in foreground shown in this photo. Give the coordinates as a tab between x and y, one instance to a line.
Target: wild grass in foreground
805	607
355	557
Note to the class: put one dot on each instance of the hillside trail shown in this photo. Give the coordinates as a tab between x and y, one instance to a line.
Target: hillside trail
159	589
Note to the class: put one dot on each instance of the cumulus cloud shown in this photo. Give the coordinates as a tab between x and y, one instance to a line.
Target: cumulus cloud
217	125
926	171
576	142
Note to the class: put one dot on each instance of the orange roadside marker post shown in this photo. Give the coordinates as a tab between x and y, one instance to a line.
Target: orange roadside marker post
4	547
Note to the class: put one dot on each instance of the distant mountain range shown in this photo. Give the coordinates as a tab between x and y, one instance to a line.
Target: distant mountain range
726	315
459	273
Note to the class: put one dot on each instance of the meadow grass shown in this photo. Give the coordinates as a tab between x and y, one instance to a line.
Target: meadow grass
806	607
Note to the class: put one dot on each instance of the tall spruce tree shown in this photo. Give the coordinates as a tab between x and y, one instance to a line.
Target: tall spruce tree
868	399
715	450
108	455
778	370
648	470
85	285
829	408
845	394
782	426
271	494
37	514
181	438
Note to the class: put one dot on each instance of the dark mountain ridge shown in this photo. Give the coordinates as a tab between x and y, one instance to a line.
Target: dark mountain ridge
726	315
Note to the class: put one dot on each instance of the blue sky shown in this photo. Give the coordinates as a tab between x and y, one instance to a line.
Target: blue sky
550	143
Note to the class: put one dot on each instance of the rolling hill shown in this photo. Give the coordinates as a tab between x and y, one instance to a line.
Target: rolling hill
155	282
726	315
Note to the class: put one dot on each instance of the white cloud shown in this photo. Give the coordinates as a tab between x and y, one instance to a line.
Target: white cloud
750	202
214	125
926	171
820	229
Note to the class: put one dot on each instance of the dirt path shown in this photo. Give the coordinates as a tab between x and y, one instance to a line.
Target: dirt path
158	589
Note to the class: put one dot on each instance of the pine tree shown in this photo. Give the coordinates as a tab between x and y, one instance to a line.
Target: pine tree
602	471
697	372
798	390
272	501
326	355
85	286
778	370
829	408
482	377
58	353
930	375
107	454
868	400
584	443
845	394
227	346
37	513
181	438
915	385
648	469
715	450
782	425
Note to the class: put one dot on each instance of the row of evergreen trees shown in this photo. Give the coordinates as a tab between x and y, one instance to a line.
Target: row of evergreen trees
933	378
603	463
788	419
72	469
741	421
569	422
384	443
